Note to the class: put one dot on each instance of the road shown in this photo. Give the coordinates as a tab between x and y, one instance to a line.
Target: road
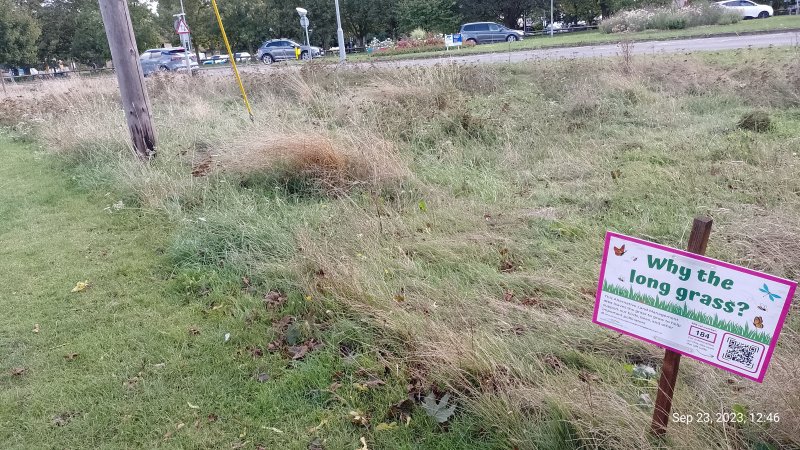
638	48
782	39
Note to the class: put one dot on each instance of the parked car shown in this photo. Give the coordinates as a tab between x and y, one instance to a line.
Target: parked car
284	49
242	57
166	59
488	32
216	59
748	9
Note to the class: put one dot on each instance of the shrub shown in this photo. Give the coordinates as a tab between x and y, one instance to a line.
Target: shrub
418	34
668	18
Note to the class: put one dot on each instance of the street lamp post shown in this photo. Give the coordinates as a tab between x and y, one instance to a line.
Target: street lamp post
551	18
304	23
340	34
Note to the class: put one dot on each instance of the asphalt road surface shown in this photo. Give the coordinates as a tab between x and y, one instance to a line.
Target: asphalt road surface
638	48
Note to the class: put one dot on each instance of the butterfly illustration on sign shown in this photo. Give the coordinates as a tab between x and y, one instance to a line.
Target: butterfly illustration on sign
619	251
772	297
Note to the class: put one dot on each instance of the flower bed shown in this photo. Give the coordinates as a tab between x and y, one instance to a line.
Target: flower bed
668	18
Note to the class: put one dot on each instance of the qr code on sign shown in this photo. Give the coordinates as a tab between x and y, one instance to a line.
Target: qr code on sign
741	353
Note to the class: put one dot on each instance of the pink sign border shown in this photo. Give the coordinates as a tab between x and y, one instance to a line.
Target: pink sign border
787	304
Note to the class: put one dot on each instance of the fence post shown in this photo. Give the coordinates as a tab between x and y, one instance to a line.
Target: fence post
698	241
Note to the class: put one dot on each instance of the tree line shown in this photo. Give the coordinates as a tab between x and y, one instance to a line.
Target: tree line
36	32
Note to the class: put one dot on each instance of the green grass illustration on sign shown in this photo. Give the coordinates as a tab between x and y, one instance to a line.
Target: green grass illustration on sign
714	321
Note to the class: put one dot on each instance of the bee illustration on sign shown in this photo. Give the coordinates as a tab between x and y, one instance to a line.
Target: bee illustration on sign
762	307
765	289
619	251
758	322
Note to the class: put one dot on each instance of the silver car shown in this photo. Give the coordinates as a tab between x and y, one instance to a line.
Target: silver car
283	49
166	60
488	32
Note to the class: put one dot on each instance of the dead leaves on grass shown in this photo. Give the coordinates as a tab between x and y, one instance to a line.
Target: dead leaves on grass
18	371
274	299
294	338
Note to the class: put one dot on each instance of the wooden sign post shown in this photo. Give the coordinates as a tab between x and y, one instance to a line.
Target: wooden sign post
125	55
715	312
698	241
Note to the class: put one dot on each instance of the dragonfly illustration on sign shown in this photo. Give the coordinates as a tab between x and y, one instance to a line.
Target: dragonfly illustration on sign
772	297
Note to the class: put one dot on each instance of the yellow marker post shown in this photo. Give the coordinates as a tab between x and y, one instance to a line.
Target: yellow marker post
297	53
232	59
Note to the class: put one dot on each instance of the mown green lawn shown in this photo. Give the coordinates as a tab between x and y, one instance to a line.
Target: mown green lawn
777	23
139	358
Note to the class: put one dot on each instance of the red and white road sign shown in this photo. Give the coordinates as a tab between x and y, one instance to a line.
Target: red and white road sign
181	27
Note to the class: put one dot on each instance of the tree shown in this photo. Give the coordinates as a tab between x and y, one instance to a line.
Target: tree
18	34
89	43
365	18
439	16
507	11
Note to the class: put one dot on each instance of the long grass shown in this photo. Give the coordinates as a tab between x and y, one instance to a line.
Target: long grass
476	255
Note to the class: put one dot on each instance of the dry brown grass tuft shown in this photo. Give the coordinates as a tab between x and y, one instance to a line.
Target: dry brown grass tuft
337	162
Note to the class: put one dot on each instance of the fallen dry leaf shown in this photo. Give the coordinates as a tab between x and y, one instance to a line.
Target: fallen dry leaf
131	383
194	331
316	444
70	356
358	418
363	441
313	430
80	286
274	299
383	426
298	351
18	371
36	328
275	430
192	405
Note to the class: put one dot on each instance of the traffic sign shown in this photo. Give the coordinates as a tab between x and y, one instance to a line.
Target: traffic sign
181	27
304	21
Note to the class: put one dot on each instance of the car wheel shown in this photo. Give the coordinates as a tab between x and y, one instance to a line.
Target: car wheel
763	15
305	56
267	59
511	38
473	41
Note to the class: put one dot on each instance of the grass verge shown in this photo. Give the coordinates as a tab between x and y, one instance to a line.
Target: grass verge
470	262
139	358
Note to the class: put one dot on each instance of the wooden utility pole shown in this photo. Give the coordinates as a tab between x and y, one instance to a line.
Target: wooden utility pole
698	241
125	56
